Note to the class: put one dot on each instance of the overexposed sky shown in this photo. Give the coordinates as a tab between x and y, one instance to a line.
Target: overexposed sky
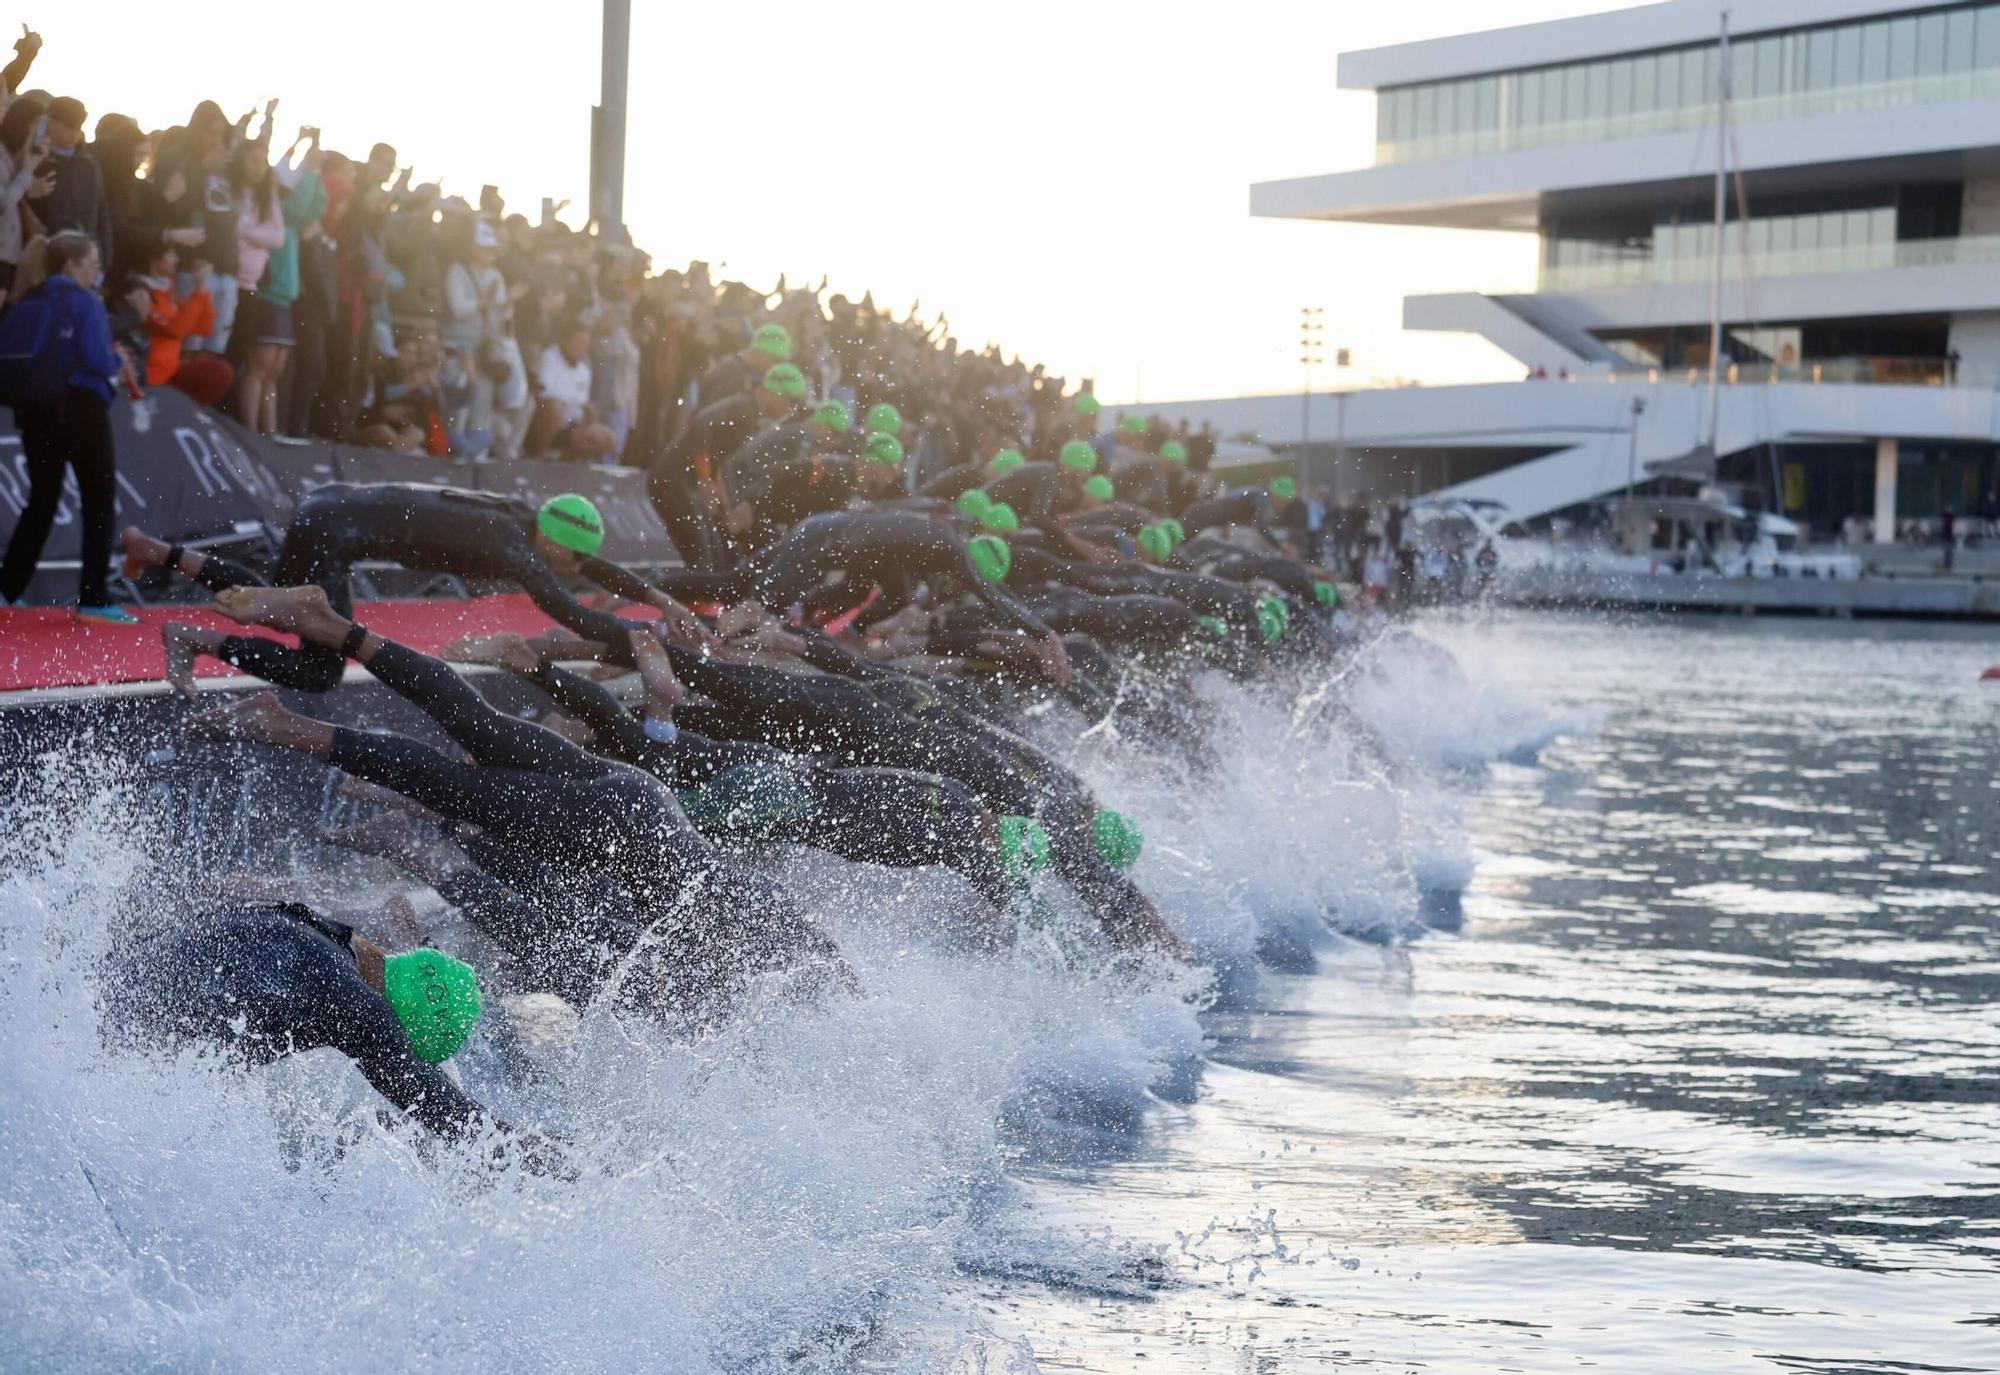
1069	179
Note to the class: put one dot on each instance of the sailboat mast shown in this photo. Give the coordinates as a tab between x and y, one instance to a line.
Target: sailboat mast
1715	274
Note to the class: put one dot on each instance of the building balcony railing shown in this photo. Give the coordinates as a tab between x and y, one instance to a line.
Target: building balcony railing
1790	262
1807	104
1852	371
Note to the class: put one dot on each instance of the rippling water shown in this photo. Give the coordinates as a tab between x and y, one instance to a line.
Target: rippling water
1622	998
1709	1079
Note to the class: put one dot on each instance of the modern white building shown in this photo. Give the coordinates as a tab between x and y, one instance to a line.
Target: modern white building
1860	294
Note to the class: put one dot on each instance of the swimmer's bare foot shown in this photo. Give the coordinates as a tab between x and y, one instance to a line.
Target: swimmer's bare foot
393	836
304	611
740	618
361	790
142	551
183	643
507	650
569	728
663	690
255	717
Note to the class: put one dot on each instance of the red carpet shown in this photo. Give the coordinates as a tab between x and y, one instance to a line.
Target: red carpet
48	647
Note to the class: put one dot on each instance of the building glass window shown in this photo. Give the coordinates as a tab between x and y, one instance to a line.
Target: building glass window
1930	45
1875	51
1986	36
1902	49
1819	59
1645	84
1597	95
1847	55
1958	43
1770	73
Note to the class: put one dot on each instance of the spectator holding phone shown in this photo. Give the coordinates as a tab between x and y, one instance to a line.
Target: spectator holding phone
24	175
72	430
76	200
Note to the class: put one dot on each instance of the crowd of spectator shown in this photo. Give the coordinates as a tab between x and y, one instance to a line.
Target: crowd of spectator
308	292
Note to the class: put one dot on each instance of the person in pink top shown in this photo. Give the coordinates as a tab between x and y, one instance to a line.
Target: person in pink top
260	230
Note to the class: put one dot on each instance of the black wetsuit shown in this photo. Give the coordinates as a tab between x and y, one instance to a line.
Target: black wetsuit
1035	491
953	483
749	791
786	493
788	441
895	721
271	979
885	547
1237	506
575	812
1133	620
434	529
1165	488
1219	559
698	453
1112	515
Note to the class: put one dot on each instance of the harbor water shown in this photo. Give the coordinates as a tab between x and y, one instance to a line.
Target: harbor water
1575	993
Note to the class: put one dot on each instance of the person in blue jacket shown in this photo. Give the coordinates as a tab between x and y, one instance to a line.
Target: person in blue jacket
73	431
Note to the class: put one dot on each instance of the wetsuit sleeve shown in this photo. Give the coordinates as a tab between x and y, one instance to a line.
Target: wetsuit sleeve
617	733
823	653
341	1011
1007	604
619	582
539	581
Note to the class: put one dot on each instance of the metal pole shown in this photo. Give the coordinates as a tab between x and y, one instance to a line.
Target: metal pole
1715	276
1632	457
610	151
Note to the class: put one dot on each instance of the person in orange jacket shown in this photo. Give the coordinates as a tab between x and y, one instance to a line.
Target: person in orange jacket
170	319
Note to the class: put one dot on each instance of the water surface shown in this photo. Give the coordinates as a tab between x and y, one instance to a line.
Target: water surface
1707	1080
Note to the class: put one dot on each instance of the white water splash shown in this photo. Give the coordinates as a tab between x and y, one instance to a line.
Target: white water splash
793	1192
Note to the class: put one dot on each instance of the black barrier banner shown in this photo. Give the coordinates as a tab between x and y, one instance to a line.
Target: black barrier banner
183	473
632	529
186	473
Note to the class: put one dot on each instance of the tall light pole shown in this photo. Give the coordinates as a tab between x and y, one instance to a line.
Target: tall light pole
607	124
1312	335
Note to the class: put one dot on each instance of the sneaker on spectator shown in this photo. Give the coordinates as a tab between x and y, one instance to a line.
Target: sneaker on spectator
106	615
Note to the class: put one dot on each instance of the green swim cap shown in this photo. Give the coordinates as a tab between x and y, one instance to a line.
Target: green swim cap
786	380
1006	461
435	997
573	522
1024	847
1325	593
1156	542
1131	424
773	339
1175	530
885	449
1283	488
1086	404
884	418
1214	625
1000	518
1118	840
974	503
1273	618
991	558
1079	457
1100	487
835	416
1173	451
